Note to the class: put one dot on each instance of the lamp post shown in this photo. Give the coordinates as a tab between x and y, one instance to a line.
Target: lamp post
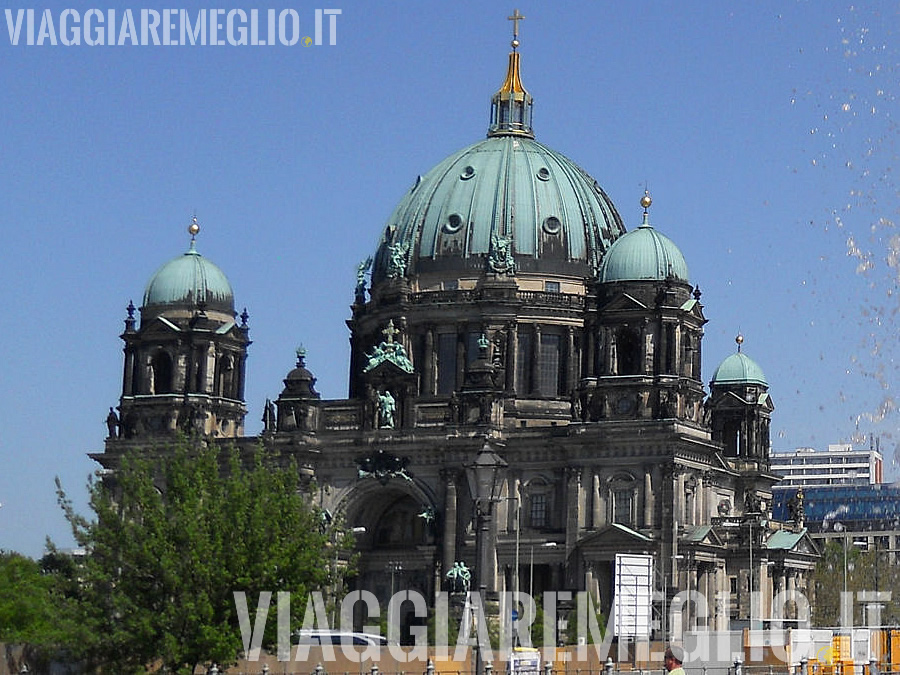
394	567
839	527
485	477
515	579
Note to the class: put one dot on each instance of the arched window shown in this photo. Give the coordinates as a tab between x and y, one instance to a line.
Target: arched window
539	503
400	525
161	373
622	499
225	386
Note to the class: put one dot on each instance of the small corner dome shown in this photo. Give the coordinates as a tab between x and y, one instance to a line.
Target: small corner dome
739	369
192	280
643	255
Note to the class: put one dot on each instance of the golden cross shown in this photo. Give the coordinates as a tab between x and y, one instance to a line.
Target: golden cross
515	18
390	331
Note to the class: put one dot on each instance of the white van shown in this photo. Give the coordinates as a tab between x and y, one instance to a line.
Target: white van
322	636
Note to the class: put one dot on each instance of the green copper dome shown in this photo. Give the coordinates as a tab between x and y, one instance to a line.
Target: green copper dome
506	204
192	280
644	254
504	186
739	369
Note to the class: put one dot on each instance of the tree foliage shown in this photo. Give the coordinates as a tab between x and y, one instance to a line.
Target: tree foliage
173	537
27	609
866	571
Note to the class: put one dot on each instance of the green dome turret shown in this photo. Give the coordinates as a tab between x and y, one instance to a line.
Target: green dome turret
189	281
739	369
644	254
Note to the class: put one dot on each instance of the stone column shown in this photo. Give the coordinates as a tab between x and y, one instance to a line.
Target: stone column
646	349
792	590
128	374
588	365
705	599
512	354
609	367
241	375
536	359
679	497
428	365
589	580
583	480
573	488
570	360
648	497
208	356
723	592
700	516
462	338
664	345
513	520
600	503
596	514
678	350
449	520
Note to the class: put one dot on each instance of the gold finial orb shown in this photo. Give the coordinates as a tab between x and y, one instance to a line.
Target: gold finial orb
514	44
194	227
646	201
739	340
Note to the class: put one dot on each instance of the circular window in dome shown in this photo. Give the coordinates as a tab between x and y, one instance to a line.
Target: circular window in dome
552	225
467	173
454	224
543	173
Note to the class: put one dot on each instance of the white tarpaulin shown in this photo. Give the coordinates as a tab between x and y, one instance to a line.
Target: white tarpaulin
632	595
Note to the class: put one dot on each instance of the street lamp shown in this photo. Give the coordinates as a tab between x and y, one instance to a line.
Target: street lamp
485	477
839	527
394	567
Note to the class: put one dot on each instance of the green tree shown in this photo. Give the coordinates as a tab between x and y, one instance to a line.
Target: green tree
35	604
27	600
173	537
866	570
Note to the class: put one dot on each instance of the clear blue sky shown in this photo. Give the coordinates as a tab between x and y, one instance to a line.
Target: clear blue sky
766	131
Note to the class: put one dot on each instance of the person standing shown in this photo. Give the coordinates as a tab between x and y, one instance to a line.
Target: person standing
673	658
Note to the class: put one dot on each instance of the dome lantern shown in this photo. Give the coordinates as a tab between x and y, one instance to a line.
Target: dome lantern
511	106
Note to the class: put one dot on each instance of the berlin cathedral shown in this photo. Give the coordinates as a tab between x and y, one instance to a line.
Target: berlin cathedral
506	318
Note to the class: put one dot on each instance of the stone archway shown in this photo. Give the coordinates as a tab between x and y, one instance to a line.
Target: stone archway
398	550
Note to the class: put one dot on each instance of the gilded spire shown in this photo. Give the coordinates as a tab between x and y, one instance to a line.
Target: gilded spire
646	201
193	230
511	105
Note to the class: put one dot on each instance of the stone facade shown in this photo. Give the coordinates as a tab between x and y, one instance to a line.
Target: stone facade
588	385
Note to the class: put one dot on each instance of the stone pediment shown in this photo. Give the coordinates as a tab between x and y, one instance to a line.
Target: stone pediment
792	542
704	535
765	401
614	538
387	371
624	303
160	324
729	400
694	308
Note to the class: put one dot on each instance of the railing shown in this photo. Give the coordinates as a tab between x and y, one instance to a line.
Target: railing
531	298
